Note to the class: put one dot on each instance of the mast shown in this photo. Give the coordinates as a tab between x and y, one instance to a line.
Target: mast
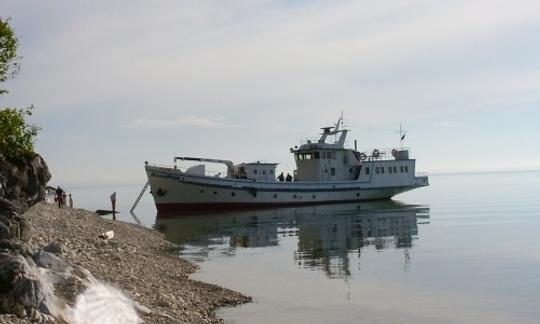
402	134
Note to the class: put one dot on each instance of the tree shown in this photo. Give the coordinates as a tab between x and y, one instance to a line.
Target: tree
16	135
9	64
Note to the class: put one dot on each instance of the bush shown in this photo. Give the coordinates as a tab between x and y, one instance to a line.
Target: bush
16	135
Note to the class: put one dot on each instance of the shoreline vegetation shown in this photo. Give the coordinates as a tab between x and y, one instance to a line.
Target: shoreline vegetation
136	260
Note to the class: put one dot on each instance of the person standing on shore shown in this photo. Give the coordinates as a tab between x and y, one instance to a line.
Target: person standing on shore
64	199
113	202
70	201
58	198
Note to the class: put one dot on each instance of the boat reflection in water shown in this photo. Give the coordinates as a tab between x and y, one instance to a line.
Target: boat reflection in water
327	235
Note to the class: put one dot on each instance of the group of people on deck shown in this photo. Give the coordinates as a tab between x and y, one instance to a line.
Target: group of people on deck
282	178
61	198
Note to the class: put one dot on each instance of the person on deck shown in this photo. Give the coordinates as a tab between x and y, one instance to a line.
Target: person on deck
280	177
288	178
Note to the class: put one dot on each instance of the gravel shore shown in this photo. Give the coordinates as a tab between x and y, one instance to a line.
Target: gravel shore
136	261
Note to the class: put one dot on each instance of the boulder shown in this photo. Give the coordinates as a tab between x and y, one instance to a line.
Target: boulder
24	182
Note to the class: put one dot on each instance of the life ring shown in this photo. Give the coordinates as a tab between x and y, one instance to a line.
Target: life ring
394	152
375	153
363	156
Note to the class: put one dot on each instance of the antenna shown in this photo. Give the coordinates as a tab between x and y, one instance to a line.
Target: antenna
402	134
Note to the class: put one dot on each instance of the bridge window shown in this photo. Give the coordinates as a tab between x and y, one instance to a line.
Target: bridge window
395	169
389	169
367	170
316	155
333	171
382	169
406	169
401	168
255	171
377	170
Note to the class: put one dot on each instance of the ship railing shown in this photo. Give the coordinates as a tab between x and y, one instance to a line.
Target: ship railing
209	173
160	165
421	179
382	154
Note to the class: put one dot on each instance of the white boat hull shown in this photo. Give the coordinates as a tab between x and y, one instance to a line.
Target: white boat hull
174	190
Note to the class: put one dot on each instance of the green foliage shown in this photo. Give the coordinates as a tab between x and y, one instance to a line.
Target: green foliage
9	65
16	135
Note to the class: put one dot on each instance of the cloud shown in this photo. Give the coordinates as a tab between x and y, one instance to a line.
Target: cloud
191	121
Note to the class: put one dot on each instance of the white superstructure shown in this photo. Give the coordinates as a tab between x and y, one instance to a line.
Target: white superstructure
326	172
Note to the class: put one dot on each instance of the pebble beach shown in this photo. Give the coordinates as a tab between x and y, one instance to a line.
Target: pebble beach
137	261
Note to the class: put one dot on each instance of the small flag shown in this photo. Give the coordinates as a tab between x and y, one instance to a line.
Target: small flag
403	136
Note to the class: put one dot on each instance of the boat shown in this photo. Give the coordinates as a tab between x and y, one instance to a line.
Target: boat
327	171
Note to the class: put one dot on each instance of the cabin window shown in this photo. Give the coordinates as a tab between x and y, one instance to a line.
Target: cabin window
271	171
255	171
314	197
332	155
275	196
367	170
382	169
233	194
264	172
307	156
316	155
395	169
406	169
333	171
401	168
389	169
377	170
350	170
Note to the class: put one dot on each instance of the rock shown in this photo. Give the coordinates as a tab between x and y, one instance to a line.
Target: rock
107	235
56	247
22	294
24	183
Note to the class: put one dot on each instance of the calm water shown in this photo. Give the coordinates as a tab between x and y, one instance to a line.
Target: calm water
464	250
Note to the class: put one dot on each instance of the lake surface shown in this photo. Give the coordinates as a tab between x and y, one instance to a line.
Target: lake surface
464	250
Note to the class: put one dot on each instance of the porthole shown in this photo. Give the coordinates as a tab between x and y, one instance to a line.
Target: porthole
233	194
357	194
294	196
215	192
275	196
314	197
202	191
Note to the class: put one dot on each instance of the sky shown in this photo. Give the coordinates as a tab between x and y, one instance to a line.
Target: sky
117	83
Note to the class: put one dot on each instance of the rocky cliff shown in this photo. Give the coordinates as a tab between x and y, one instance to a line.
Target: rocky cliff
22	184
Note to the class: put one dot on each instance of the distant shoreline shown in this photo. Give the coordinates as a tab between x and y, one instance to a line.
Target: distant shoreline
136	261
